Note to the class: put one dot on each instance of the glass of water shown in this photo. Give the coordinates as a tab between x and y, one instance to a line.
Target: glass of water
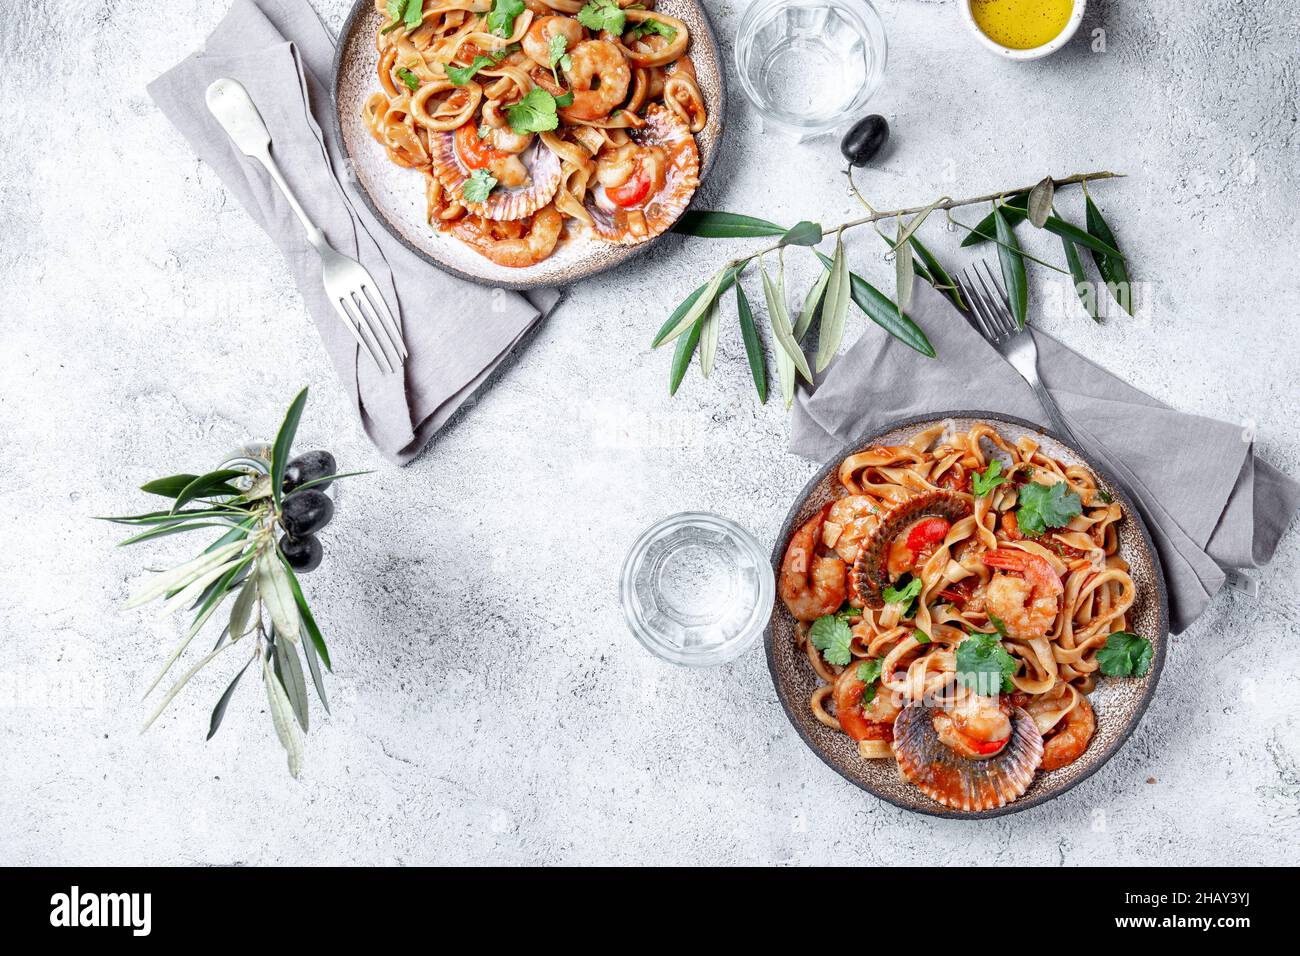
697	589
810	65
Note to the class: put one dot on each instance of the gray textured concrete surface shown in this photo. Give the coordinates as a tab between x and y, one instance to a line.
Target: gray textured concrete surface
489	705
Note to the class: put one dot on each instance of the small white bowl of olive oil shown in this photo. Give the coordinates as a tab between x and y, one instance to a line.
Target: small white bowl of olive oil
1023	29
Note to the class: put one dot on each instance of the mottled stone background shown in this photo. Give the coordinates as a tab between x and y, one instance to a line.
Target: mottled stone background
489	704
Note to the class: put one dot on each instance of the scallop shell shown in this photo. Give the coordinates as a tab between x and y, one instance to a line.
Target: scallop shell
961	782
504	203
662	128
870	577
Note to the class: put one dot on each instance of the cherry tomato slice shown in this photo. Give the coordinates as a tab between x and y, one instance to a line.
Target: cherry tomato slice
987	746
474	152
632	192
927	533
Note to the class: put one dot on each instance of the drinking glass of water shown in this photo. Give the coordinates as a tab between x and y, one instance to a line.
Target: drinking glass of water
810	65
697	589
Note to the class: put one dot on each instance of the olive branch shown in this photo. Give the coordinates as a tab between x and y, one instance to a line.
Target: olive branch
268	610
696	323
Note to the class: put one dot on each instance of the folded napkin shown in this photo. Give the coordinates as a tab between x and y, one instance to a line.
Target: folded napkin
1209	502
282	53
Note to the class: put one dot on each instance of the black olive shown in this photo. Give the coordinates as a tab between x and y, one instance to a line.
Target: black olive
306	512
309	466
864	139
303	554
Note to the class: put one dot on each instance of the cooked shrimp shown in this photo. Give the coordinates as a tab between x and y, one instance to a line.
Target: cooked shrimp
812	584
975	726
598	77
849	521
517	252
537	41
1071	737
1027	604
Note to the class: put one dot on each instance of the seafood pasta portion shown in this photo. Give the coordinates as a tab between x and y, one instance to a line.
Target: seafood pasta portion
531	118
959	601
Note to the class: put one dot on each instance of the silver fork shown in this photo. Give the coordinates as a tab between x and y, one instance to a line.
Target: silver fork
990	314
351	290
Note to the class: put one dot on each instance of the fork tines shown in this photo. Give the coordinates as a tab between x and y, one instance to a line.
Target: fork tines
990	308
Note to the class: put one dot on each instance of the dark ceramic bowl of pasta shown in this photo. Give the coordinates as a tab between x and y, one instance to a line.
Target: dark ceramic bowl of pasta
1118	703
396	196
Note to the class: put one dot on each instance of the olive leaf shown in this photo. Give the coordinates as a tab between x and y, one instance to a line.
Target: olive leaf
936	274
812	306
986	229
173	485
211	485
682	355
778	313
1111	265
802	234
753	347
1080	279
835	307
182	575
305	615
1039	205
219	711
168	529
277	595
710	327
241	612
185	679
289	670
282	717
708	224
877	307
904	276
1013	268
693	306
284	443
1058	226
313	665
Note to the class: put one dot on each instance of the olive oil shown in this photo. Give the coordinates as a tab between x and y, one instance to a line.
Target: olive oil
1021	24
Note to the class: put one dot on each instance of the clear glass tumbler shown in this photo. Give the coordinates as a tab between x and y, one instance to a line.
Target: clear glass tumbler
697	589
810	65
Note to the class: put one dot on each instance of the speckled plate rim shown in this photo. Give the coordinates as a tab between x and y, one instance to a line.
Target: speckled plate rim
869	438
623	255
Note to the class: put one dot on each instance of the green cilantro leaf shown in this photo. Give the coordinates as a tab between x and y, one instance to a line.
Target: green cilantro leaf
905	595
603	15
407	13
1046	506
998	625
647	27
410	79
1125	655
869	673
564	99
535	113
484	130
832	637
414	13
984	482
984	666
501	21
848	611
1104	495
557	55
920	636
479	186
460	75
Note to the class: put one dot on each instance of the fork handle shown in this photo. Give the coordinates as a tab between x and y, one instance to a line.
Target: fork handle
233	108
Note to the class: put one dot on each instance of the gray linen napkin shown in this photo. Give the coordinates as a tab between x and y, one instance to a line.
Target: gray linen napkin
456	332
1208	501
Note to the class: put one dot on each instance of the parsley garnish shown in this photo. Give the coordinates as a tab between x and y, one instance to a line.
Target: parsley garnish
479	186
647	27
1104	495
408	13
535	113
1046	506
603	15
558	56
410	79
998	625
564	99
984	666
460	75
869	673
920	636
984	482
832	637
906	595
1125	655
501	20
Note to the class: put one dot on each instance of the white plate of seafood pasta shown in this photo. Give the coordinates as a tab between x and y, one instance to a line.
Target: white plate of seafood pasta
970	617
528	143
